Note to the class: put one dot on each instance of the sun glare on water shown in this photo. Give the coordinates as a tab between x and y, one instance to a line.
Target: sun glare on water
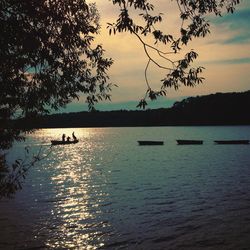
76	196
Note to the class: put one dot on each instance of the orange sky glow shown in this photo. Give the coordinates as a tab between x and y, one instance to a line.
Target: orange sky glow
225	54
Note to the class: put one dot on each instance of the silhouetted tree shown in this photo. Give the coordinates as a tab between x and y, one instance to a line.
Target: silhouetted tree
48	56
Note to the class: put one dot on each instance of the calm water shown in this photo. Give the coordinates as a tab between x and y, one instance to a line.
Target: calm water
106	192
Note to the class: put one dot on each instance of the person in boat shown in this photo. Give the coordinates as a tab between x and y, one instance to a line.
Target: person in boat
63	137
74	137
68	138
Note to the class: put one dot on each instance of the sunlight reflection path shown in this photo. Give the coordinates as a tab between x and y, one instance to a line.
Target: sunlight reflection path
79	185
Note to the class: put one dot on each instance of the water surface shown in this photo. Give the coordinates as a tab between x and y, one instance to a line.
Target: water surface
106	192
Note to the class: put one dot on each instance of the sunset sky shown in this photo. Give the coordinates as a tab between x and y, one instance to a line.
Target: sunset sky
225	54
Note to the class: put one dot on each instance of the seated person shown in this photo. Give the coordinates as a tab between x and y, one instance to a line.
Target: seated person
74	137
63	137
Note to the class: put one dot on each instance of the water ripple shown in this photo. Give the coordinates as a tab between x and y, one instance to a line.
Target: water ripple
107	193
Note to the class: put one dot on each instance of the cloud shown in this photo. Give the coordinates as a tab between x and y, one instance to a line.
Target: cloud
244	60
237	24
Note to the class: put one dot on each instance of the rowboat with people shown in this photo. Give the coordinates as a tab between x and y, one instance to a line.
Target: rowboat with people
55	142
65	142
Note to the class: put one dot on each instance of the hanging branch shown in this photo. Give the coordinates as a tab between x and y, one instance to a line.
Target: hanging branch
193	24
13	177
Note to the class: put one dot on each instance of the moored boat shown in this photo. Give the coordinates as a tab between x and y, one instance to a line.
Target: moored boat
189	142
144	143
232	142
54	142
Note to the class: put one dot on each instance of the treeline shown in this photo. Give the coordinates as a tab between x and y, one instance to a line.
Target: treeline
214	109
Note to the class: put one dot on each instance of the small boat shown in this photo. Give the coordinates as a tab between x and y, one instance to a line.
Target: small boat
189	142
54	142
232	142
144	143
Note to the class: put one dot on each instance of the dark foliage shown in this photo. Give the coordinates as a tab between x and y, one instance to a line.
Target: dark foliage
12	176
47	59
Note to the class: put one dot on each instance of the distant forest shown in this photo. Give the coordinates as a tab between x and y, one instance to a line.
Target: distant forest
213	109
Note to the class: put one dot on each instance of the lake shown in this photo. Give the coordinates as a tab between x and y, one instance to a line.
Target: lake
106	192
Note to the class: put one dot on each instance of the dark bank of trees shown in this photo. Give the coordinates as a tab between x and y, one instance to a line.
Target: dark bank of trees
214	109
48	56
